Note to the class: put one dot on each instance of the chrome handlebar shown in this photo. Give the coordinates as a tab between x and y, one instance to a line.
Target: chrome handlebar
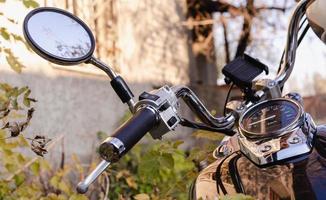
291	43
194	103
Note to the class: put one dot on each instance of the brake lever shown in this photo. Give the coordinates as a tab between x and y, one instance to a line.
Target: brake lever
82	186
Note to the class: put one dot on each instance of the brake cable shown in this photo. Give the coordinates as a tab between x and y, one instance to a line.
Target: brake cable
201	126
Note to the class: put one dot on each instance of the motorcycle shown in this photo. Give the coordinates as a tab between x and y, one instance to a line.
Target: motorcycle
272	148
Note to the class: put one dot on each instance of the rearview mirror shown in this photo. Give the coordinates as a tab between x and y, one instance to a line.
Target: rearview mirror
58	36
62	38
317	18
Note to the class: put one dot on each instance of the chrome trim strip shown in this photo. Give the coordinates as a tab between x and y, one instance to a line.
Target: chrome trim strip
117	143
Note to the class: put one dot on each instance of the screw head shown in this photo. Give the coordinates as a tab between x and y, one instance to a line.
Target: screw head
295	140
271	83
265	148
240	107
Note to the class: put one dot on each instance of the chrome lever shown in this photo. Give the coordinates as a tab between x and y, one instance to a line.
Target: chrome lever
82	186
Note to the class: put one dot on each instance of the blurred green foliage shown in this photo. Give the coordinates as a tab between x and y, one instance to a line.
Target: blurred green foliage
155	170
22	177
159	171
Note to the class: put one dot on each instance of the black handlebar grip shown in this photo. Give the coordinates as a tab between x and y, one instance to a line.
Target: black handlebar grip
129	134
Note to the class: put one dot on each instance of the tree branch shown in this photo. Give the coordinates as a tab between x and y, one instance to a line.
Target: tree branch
283	9
246	28
29	163
226	41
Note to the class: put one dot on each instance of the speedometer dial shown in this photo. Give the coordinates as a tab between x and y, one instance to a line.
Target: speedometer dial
269	118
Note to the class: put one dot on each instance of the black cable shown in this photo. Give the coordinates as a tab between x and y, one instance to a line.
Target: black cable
303	34
234	173
227	98
219	182
201	126
299	41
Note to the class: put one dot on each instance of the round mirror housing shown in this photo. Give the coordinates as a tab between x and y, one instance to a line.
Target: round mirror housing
58	36
316	14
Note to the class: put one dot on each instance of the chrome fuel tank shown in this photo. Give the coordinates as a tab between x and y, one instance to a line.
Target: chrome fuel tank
231	173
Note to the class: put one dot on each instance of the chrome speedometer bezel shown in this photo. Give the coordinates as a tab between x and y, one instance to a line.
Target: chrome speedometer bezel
280	132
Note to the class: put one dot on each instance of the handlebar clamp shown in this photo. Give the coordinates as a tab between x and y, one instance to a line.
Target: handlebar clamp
166	103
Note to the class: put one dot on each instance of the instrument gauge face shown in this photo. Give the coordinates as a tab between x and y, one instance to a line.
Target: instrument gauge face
269	117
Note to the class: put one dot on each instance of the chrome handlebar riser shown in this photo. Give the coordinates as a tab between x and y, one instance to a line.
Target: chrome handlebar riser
200	110
291	43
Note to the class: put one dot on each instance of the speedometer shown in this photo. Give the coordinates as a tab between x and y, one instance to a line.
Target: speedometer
269	118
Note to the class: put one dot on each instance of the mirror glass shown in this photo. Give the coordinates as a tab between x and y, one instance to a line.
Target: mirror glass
59	36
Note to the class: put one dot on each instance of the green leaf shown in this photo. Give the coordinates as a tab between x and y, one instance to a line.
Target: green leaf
22	141
13	61
19	179
17	37
2	135
78	197
30	3
54	181
27	100
35	168
7	152
5	86
101	135
63	186
22	90
14	104
20	158
10	167
4	102
53	196
166	161
12	21
4	33
45	165
13	92
177	143
150	166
